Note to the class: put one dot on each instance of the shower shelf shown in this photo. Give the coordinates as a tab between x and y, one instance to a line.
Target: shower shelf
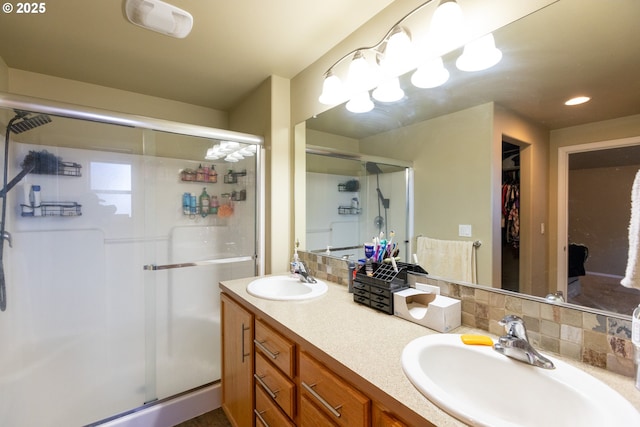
54	209
65	169
348	210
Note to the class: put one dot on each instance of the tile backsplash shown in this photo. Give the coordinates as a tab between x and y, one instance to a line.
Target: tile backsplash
599	340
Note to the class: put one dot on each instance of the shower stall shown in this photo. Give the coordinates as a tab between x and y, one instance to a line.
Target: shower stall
114	242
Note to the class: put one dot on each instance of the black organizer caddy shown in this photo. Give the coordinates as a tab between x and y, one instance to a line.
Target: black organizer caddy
376	291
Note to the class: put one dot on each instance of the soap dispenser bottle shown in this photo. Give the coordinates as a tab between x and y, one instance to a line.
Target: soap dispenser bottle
295	268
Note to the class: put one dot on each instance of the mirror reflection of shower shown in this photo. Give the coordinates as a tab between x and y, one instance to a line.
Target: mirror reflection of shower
23	121
379	221
338	226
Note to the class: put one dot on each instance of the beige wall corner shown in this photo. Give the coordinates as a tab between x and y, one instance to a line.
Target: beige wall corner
266	111
4	76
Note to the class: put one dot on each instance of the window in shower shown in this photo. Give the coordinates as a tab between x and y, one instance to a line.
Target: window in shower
111	183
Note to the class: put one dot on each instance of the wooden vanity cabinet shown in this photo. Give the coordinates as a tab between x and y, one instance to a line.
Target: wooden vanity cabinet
237	362
275	371
269	379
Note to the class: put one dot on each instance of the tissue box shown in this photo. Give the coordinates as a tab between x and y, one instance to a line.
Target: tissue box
436	312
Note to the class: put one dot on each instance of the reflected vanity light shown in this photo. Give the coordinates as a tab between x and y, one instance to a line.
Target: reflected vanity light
231	151
360	103
430	74
396	55
388	91
577	100
479	54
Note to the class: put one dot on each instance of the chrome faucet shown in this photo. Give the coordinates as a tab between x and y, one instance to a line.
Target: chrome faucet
304	275
515	344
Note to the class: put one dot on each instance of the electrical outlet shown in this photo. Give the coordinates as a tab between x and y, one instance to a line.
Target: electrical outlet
464	230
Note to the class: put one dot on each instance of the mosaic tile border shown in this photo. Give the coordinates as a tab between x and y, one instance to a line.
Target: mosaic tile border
595	339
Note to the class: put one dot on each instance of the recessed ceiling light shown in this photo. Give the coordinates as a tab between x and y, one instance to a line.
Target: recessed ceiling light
577	100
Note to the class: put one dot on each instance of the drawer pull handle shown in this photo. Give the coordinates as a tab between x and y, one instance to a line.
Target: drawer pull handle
273	394
326	404
244	353
266	350
259	415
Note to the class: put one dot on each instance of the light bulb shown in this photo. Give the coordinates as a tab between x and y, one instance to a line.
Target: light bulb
430	74
360	74
479	54
360	103
332	90
446	29
389	91
398	53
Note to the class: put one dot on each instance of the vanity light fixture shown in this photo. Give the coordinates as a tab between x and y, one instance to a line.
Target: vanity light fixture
380	65
159	16
577	100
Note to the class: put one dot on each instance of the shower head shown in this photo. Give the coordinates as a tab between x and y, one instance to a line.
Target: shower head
25	123
373	168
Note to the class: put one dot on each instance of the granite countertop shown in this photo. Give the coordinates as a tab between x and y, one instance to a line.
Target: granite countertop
370	343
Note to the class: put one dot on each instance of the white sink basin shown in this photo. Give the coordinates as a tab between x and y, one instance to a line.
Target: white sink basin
285	288
481	387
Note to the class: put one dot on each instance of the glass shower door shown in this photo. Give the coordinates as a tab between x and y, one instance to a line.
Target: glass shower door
190	250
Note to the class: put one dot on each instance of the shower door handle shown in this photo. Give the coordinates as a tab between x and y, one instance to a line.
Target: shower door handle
155	267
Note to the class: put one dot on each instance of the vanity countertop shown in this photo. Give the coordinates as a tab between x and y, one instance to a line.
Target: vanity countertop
370	343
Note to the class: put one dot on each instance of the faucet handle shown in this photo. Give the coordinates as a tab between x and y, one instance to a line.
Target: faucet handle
514	326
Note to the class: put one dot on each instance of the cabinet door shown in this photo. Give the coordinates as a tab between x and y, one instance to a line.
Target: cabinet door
279	350
267	413
281	389
342	403
311	416
237	363
382	418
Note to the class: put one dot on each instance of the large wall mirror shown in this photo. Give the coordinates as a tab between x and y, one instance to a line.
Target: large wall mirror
505	126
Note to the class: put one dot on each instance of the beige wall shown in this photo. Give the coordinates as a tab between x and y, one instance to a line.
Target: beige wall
74	92
599	212
266	112
4	76
452	183
534	174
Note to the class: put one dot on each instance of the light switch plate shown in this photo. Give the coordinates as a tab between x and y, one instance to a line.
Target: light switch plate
464	230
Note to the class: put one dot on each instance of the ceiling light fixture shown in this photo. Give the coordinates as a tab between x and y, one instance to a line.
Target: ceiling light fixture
577	100
380	65
159	16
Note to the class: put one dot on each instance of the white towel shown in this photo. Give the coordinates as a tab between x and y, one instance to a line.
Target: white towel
449	259
632	275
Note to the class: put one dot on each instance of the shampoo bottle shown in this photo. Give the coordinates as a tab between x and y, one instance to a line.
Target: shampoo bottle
35	200
204	203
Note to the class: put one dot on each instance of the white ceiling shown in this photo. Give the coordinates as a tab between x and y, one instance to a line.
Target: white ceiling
233	47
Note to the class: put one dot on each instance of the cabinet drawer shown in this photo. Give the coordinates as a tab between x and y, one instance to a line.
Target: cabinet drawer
275	384
311	416
275	347
267	413
343	404
382	418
